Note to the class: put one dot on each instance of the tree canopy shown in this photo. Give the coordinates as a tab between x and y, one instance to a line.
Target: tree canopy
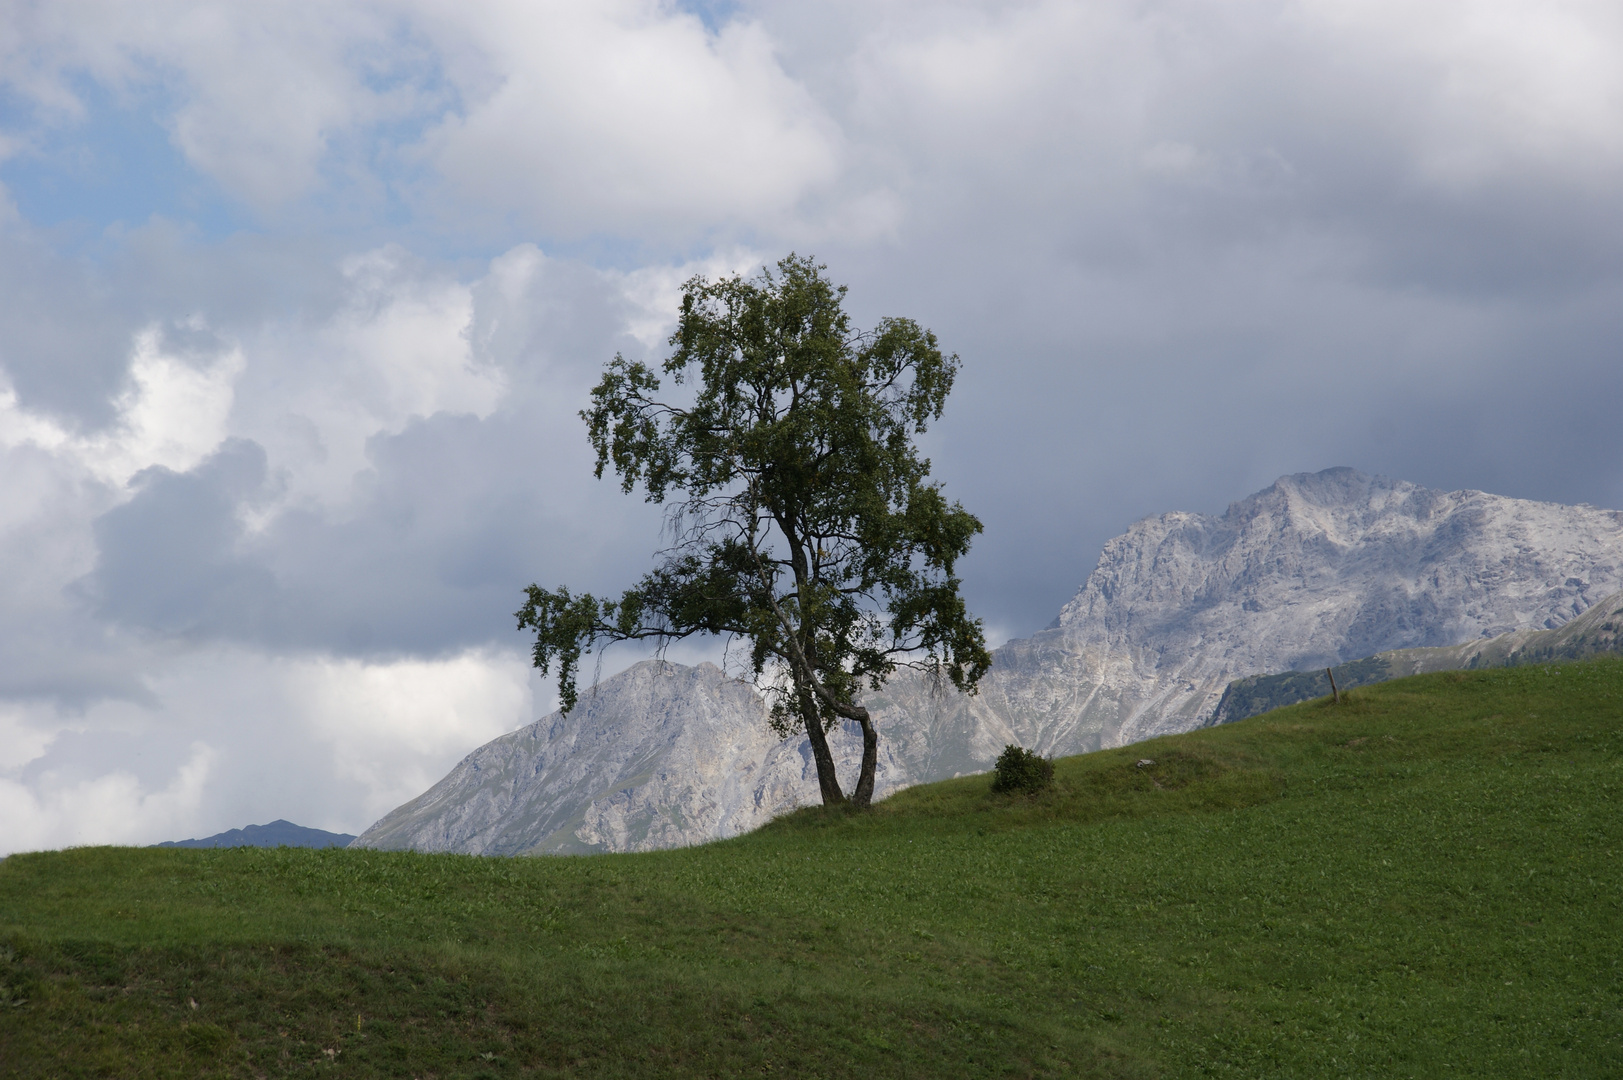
804	520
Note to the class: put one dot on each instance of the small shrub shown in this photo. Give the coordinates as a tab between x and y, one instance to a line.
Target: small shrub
1022	770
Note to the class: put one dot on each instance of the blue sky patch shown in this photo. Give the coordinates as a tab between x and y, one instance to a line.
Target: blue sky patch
116	166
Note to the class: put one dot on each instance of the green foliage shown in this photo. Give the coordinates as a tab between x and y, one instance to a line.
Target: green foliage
1421	882
805	518
1018	769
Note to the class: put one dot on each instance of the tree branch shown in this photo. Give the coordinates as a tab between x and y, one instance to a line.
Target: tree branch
798	657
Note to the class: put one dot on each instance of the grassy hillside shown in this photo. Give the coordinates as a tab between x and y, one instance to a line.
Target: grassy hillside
1424	881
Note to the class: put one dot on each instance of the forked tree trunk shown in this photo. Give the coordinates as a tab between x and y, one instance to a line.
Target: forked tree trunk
827	780
862	797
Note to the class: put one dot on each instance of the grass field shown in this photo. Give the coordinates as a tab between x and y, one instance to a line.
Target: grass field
1423	881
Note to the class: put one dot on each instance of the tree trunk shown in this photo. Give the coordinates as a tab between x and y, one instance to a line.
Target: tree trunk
827	780
862	797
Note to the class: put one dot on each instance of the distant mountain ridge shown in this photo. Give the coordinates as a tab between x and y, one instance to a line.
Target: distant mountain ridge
1317	569
279	833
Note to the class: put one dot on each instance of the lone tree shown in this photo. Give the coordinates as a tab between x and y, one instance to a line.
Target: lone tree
803	517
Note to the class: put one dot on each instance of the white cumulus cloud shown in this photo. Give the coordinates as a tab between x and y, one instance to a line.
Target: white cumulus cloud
628	115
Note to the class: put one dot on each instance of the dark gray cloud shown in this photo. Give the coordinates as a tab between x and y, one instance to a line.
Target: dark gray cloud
167	558
429	557
59	348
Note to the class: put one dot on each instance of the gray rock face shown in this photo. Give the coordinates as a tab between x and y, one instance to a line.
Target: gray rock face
1315	570
658	756
1597	632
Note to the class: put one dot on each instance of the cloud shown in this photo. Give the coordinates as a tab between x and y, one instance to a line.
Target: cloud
1414	151
232	738
111	808
394	472
259	99
580	119
166	557
56	480
635	120
171	413
394	348
629	118
394	729
379	477
1506	87
61	349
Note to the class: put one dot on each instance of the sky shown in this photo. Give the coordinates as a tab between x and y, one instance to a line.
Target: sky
299	303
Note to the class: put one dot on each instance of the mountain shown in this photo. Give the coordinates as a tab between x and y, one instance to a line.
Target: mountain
1317	569
278	833
1597	632
658	756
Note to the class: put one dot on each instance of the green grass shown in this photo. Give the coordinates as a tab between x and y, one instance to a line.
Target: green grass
1424	881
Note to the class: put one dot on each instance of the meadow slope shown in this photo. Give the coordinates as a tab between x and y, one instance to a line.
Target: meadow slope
1422	881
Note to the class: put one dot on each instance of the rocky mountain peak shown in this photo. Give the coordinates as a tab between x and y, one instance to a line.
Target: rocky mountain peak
1316	569
1325	565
